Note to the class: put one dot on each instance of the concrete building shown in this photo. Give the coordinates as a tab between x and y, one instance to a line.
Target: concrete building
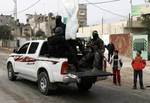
82	15
41	22
9	21
27	31
6	20
120	27
16	28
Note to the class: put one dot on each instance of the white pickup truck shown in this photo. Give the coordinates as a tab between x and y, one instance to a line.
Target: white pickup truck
31	62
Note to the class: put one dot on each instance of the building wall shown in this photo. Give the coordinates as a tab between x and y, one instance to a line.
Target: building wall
113	28
26	31
9	44
16	31
123	43
148	47
43	22
6	20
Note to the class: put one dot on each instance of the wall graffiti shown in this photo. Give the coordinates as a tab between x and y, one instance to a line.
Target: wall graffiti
122	43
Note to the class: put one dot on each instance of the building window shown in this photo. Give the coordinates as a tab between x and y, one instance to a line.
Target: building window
25	29
82	13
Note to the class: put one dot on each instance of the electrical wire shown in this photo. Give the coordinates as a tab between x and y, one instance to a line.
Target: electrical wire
102	2
21	11
32	5
6	12
107	10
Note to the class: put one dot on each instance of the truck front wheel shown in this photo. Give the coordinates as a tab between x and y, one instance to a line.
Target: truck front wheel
43	83
11	74
84	85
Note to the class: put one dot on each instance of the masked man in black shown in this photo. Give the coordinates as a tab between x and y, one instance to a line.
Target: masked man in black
98	46
59	23
57	44
58	47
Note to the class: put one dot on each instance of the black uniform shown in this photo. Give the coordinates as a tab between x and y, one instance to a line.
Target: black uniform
98	46
60	24
58	46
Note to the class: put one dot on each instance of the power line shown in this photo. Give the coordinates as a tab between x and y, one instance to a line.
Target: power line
107	10
6	12
102	2
32	5
29	7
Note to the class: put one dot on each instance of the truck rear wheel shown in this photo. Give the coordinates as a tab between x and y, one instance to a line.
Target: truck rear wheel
11	74
84	85
43	83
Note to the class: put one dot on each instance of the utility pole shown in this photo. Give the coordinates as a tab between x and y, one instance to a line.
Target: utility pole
15	17
130	17
129	22
15	9
102	25
57	7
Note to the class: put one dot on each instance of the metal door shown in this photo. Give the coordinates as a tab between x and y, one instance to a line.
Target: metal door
140	42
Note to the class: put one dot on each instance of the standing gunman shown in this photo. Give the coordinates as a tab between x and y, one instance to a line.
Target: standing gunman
98	46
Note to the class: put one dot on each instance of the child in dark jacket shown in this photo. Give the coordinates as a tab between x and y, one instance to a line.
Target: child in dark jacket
138	65
116	66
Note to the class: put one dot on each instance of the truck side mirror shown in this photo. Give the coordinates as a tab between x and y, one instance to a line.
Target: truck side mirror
15	50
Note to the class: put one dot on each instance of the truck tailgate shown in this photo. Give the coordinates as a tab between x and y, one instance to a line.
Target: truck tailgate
92	74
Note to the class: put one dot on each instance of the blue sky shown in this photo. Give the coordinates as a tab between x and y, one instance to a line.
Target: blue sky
121	7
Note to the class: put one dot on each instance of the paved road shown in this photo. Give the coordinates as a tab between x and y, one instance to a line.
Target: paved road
23	91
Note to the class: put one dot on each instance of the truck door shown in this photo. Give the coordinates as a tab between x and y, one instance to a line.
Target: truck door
19	58
31	57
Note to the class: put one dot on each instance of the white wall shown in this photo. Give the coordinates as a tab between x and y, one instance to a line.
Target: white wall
113	28
105	38
21	40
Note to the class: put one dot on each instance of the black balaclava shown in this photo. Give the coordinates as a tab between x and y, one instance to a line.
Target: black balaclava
58	20
95	34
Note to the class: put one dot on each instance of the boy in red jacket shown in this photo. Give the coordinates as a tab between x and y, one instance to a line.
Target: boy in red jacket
138	65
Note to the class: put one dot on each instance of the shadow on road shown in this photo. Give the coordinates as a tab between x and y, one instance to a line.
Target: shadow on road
61	89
